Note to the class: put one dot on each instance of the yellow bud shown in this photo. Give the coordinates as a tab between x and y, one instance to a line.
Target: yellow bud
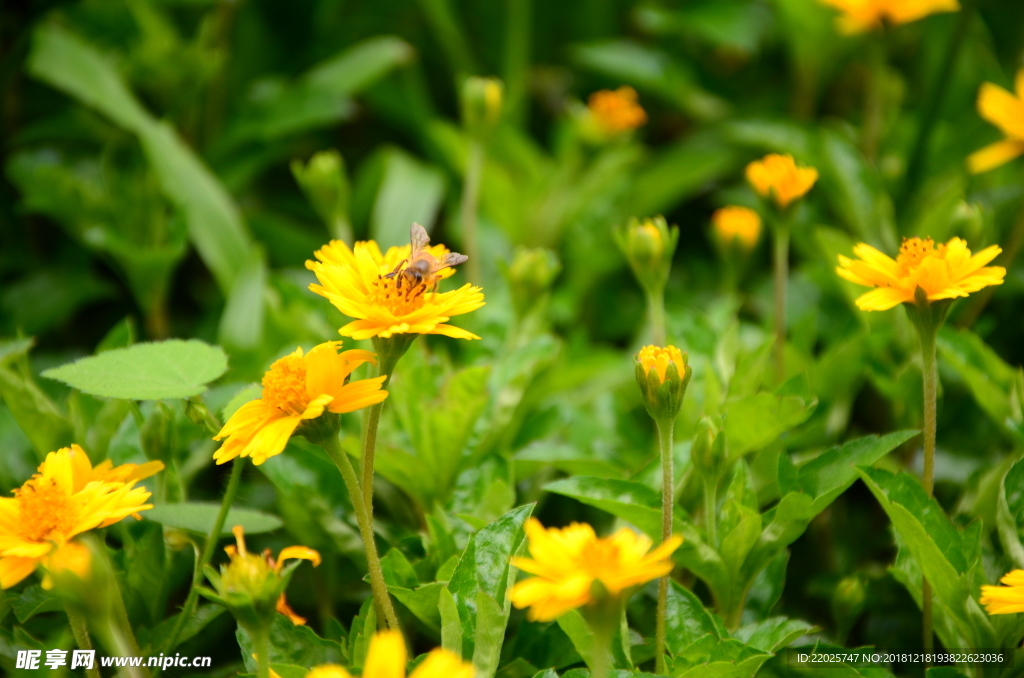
736	225
649	246
481	105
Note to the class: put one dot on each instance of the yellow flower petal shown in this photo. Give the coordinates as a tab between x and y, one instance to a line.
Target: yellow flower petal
994	155
386	657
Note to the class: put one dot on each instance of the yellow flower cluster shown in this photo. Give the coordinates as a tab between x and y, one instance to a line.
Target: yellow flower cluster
66	497
386	658
778	177
861	15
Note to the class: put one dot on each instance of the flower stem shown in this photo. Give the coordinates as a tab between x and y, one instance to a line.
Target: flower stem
603	651
711	511
656	309
780	262
930	377
207	555
470	197
874	99
332	447
667	504
80	630
261	647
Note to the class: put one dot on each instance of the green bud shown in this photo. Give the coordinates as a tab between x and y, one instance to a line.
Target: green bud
326	186
708	454
481	105
663	375
200	415
649	246
530	276
848	602
968	221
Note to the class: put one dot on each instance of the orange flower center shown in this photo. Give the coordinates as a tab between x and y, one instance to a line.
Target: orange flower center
913	251
400	295
45	510
284	385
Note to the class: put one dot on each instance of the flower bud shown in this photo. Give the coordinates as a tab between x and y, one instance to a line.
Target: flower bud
199	414
662	374
736	228
610	114
848	601
530	276
649	246
481	105
326	186
708	454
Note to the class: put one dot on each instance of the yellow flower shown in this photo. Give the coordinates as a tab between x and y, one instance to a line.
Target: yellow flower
943	272
658	359
778	177
73	557
1007	599
356	281
387	658
298	388
616	111
862	15
567	561
66	497
1005	111
736	223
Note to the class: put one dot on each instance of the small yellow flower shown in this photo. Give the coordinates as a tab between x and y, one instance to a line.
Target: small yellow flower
568	561
736	223
861	15
658	359
1005	111
298	388
616	111
356	281
66	497
944	272
777	176
1007	599
387	658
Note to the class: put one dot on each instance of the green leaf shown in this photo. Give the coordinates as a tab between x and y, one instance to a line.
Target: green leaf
156	637
200	517
715	657
451	624
829	474
37	416
989	378
241	324
410	191
680	171
35	600
686	619
757	420
773	633
491	619
630	501
422	601
149	371
290	644
1010	512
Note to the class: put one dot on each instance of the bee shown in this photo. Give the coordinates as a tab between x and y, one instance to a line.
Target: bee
420	271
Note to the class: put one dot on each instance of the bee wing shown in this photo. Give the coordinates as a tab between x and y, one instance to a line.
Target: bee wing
452	259
419	239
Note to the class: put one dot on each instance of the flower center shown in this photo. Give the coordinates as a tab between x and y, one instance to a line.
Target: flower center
599	557
399	294
46	511
284	385
913	251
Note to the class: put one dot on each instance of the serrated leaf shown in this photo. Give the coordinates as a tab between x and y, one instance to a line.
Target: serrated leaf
773	633
686	619
34	600
757	420
291	644
200	517
149	371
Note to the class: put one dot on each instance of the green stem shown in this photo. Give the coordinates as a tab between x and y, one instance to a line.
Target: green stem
516	58
207	555
667	504
603	651
120	638
470	198
656	309
711	511
930	377
332	447
261	647
80	630
389	351
780	262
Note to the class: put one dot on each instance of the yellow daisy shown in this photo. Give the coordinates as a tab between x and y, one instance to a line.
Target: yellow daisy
861	15
356	281
567	561
387	658
658	359
1005	111
66	497
943	271
297	388
616	111
737	224
1007	599
778	177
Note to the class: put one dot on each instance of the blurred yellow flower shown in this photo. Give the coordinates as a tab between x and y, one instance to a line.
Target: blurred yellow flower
1007	599
67	496
1005	111
357	282
387	658
568	561
616	111
735	223
862	15
297	388
658	359
777	176
943	272
73	557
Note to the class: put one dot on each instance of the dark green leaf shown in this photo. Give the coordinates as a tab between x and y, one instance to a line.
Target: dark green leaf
200	517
